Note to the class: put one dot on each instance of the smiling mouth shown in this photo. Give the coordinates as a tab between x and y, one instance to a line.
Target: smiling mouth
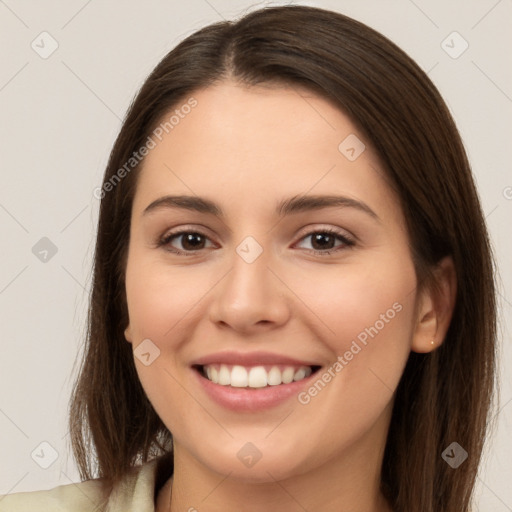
254	377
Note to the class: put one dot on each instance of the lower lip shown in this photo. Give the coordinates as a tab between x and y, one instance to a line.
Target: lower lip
251	399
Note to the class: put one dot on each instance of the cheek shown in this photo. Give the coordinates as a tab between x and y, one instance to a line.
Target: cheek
361	301
159	300
161	304
367	321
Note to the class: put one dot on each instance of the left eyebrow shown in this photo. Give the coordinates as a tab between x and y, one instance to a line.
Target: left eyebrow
316	202
289	206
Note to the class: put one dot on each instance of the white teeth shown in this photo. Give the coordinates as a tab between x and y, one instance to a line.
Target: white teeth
287	375
274	376
239	377
224	376
254	377
299	374
257	377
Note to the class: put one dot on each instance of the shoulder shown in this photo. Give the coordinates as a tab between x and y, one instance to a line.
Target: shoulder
134	493
81	497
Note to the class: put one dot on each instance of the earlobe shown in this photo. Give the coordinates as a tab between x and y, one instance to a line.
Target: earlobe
128	334
435	310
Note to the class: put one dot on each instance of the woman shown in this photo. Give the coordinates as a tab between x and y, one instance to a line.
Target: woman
293	300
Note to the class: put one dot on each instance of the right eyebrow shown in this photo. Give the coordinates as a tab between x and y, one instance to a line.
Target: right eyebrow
194	203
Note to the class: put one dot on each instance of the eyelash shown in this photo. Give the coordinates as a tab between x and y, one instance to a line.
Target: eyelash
347	241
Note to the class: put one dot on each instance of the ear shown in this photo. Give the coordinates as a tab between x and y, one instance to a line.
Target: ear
435	308
128	334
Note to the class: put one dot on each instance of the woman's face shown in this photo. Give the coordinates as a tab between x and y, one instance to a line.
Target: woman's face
288	256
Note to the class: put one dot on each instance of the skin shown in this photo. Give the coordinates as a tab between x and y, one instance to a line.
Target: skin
247	149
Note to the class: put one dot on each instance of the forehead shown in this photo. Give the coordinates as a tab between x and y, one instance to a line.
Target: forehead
253	144
264	121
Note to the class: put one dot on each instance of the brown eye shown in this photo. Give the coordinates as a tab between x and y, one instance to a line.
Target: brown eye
324	242
191	241
184	242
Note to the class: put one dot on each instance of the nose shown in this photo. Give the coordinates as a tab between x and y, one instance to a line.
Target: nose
251	297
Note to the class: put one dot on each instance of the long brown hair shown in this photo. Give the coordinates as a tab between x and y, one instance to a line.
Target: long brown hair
443	396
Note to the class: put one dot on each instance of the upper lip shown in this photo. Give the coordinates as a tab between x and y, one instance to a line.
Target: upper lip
250	359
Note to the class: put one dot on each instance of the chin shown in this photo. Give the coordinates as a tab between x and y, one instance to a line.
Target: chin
244	462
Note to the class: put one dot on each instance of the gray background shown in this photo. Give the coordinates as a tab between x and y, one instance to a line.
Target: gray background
59	119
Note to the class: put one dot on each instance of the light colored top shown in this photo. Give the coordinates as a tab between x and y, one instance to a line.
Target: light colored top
135	493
